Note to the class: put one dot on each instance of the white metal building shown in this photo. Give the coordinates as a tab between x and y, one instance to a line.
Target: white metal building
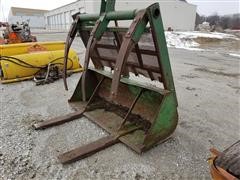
176	14
34	16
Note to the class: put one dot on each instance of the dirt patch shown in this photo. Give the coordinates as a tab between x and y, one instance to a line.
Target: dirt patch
190	64
190	88
220	73
218	44
203	40
190	76
234	87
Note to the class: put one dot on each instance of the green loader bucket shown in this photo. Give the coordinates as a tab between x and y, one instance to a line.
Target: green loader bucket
127	86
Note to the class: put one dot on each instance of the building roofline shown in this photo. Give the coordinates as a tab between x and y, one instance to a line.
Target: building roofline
27	11
187	3
44	10
64	5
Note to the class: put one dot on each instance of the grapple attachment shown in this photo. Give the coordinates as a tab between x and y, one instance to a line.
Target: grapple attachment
127	83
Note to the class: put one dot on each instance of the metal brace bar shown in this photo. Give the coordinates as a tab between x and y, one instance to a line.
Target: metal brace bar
131	108
95	91
140	61
142	51
132	64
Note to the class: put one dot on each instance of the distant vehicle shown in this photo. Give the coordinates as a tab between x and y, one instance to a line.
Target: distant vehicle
22	57
3	24
17	33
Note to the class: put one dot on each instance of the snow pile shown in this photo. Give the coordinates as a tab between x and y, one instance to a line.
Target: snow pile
235	55
146	81
213	35
186	40
177	40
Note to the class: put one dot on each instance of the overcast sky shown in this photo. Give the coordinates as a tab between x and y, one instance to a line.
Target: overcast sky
204	7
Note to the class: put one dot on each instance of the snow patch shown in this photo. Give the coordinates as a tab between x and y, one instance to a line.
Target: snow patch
178	41
139	79
108	69
186	40
213	35
235	55
144	80
193	49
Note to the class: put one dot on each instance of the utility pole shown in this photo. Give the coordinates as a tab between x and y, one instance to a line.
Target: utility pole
2	10
0	6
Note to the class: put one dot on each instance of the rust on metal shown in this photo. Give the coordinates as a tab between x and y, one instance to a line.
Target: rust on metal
70	37
93	147
131	108
58	120
87	150
69	117
226	165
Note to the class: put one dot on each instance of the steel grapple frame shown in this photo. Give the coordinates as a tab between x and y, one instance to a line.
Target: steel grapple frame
136	113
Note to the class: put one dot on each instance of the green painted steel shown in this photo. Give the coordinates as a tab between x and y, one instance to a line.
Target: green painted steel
107	9
155	105
121	15
111	16
161	46
89	17
110	5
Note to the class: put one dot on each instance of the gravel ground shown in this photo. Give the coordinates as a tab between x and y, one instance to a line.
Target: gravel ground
207	85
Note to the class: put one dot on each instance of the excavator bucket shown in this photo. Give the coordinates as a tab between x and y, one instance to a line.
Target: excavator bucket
127	85
22	61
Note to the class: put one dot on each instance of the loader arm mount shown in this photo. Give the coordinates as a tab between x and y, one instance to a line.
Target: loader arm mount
127	86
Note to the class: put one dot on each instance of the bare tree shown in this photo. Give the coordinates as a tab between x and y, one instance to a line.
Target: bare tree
226	21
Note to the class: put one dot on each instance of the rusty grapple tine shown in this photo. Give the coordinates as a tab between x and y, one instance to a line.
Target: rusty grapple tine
70	37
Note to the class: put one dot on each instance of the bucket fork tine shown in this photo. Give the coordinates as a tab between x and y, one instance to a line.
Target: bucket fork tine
93	147
69	117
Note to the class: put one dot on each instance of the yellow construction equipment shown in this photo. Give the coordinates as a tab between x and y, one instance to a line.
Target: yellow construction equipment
23	61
